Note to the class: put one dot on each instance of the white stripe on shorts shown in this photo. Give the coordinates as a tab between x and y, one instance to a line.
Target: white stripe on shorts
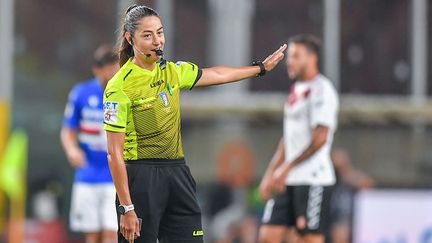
313	211
268	211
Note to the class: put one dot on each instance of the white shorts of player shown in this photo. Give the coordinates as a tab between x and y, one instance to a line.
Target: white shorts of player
93	207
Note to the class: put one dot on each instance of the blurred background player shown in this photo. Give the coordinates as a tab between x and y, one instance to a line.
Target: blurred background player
84	142
301	170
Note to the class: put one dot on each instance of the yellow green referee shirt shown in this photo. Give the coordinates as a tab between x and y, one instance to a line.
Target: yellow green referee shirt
145	105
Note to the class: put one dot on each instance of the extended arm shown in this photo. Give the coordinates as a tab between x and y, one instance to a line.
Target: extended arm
224	74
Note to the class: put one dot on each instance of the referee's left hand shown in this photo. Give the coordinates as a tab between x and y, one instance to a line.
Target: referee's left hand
272	60
129	226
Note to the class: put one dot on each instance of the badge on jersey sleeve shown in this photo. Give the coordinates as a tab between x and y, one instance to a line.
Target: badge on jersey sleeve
111	112
164	97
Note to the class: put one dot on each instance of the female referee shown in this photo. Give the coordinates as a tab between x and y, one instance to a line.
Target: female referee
142	120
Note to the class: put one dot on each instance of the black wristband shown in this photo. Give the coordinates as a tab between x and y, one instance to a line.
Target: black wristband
262	68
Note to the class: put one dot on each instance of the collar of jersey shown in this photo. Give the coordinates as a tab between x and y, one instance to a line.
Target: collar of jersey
310	81
145	71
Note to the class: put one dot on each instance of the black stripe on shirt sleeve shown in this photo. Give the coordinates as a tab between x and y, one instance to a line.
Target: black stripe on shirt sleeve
197	78
113	125
193	66
127	74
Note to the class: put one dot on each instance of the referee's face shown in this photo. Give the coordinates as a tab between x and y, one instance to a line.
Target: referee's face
149	37
298	61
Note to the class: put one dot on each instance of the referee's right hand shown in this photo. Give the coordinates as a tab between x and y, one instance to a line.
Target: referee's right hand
273	59
129	226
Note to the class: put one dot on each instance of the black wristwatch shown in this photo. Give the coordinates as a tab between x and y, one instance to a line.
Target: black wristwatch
123	209
262	68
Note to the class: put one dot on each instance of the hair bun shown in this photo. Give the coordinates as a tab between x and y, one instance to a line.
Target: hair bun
131	7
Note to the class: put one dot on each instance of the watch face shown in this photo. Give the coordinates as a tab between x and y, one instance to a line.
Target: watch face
121	209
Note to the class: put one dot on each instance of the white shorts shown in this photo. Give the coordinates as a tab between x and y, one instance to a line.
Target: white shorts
93	207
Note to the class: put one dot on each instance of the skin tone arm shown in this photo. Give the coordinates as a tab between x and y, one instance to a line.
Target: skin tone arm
360	180
129	225
265	187
224	74
319	138
74	153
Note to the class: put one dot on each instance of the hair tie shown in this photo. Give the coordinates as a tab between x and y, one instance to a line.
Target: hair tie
131	7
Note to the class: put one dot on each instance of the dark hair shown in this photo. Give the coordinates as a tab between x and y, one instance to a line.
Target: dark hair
311	42
133	14
104	55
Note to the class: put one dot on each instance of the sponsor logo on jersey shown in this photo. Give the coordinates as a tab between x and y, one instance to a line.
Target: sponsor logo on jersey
89	114
111	112
179	63
157	83
164	97
295	96
198	233
93	101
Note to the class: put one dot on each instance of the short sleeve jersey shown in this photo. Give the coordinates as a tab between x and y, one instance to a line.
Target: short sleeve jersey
84	114
310	104
145	105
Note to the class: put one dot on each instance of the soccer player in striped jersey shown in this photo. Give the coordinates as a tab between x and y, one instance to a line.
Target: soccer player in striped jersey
84	142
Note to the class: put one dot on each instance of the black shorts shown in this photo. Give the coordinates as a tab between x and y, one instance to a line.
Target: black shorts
304	207
163	193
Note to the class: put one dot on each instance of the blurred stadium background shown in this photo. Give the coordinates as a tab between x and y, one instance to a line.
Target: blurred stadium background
377	52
